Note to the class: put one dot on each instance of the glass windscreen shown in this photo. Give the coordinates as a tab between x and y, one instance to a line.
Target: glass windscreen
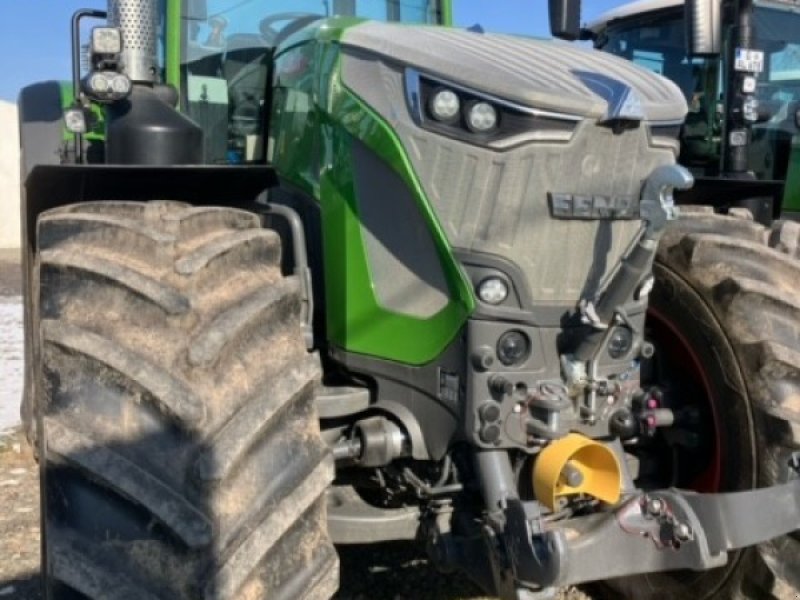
226	53
658	44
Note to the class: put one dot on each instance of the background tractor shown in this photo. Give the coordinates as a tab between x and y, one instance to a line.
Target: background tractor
311	273
740	138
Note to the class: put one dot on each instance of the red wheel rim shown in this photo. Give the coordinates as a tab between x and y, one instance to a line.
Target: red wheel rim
669	339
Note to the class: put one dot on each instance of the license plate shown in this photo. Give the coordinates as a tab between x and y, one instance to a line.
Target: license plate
750	61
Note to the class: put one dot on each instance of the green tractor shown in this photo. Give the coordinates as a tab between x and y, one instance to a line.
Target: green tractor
743	147
329	273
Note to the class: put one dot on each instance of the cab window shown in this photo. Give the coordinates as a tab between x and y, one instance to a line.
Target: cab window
226	54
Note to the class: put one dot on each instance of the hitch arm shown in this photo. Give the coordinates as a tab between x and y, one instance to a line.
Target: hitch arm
737	520
671	529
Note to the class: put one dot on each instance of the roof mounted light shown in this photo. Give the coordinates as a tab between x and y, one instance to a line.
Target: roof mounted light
106	40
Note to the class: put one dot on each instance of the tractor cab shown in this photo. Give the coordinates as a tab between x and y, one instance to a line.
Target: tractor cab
335	279
652	34
219	56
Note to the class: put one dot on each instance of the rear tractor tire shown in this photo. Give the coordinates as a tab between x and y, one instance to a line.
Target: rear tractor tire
727	295
179	445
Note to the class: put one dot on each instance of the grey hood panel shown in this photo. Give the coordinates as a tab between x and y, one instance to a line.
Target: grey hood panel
549	75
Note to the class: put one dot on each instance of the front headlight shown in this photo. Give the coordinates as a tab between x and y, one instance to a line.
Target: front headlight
481	117
445	105
493	290
513	348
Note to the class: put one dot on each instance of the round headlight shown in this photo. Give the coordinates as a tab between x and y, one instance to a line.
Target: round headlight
445	105
513	348
620	342
481	117
493	290
99	83
121	85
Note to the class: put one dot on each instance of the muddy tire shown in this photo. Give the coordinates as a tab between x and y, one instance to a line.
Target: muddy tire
728	288
180	449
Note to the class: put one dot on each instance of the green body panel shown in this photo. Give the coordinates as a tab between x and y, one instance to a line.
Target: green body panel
791	195
172	43
314	121
447	13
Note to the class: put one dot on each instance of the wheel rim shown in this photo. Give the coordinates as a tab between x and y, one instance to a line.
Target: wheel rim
673	346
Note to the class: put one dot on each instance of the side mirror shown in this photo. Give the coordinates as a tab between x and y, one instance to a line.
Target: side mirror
703	20
565	19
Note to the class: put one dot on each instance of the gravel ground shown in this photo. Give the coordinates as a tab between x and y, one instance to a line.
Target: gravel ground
387	571
11	353
11	360
19	519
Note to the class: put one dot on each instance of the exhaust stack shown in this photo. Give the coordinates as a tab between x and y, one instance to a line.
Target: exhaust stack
145	128
138	21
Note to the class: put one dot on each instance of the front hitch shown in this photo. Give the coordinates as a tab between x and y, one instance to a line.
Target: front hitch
647	532
672	529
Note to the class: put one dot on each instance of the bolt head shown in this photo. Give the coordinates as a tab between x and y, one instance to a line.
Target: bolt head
683	532
655	507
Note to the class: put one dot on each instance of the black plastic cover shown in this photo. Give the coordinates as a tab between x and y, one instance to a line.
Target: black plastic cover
145	130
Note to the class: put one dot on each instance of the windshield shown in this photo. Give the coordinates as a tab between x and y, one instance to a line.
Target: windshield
226	53
778	35
656	41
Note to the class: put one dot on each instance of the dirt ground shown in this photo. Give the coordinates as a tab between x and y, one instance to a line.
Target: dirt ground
19	519
10	273
390	571
394	572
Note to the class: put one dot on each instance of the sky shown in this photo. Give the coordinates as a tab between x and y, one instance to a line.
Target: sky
34	34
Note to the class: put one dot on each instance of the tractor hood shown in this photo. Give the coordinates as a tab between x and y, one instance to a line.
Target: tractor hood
543	74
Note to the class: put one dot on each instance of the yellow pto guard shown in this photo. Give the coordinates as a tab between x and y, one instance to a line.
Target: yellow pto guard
573	465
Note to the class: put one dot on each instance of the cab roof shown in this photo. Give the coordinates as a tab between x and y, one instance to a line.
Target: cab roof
629	10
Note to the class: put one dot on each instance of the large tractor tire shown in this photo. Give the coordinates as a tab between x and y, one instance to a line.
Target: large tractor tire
725	318
179	444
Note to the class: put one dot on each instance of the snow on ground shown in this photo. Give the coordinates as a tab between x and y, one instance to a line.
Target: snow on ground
11	360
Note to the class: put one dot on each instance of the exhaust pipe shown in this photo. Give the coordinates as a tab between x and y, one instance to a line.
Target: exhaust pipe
138	21
145	129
